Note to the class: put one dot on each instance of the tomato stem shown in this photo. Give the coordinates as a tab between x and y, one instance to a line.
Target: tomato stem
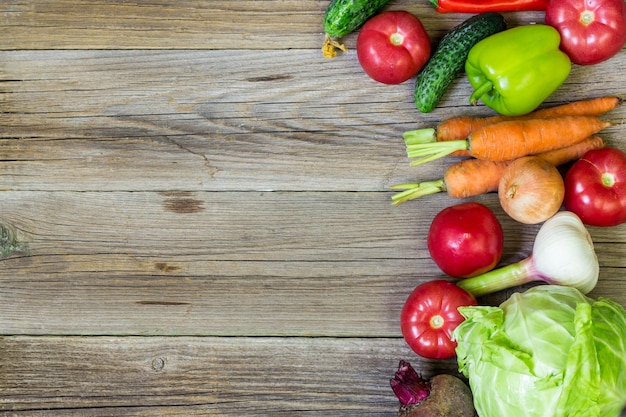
437	321
608	179
587	17
396	39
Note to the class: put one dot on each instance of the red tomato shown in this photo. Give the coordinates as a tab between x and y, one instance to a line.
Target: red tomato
465	240
595	187
591	30
393	46
429	316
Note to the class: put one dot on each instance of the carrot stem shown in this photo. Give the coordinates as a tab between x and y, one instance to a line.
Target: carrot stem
471	177
426	152
415	190
425	135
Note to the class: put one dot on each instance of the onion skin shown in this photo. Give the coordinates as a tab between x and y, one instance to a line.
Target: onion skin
531	190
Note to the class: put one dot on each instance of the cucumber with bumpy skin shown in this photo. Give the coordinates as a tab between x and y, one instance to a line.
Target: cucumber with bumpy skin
450	56
345	16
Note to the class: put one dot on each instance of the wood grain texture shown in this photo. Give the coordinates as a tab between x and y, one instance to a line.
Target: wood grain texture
110	120
201	376
205	207
187	24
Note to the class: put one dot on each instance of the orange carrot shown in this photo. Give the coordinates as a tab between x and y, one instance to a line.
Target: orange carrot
511	139
456	128
472	177
570	153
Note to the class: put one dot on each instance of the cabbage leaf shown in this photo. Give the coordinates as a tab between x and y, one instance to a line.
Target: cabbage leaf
548	352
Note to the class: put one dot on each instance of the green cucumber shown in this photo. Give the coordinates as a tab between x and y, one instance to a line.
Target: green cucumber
449	58
345	16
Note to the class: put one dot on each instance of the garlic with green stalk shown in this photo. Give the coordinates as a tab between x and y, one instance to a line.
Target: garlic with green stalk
563	254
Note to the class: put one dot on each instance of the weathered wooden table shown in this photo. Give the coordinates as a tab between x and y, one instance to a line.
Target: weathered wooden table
206	205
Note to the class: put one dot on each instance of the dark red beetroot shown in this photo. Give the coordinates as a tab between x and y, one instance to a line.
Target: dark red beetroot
442	396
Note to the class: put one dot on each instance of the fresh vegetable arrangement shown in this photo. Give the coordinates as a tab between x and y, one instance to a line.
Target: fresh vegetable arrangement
485	173
551	350
512	69
472	177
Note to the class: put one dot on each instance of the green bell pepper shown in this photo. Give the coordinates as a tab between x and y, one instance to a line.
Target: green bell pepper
514	71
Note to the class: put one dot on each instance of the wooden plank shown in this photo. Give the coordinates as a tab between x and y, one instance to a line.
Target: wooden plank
141	376
166	263
231	264
156	24
206	206
149	124
163	120
187	24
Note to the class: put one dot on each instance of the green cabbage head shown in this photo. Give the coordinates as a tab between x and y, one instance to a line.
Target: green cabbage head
548	352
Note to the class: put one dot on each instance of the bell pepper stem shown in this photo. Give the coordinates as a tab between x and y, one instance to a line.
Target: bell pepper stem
482	89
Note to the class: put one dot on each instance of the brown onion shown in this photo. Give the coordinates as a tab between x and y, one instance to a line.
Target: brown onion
531	190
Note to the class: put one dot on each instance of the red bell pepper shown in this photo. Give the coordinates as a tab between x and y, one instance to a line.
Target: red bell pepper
480	6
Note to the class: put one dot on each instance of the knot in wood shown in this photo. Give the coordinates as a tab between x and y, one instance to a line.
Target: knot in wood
158	364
